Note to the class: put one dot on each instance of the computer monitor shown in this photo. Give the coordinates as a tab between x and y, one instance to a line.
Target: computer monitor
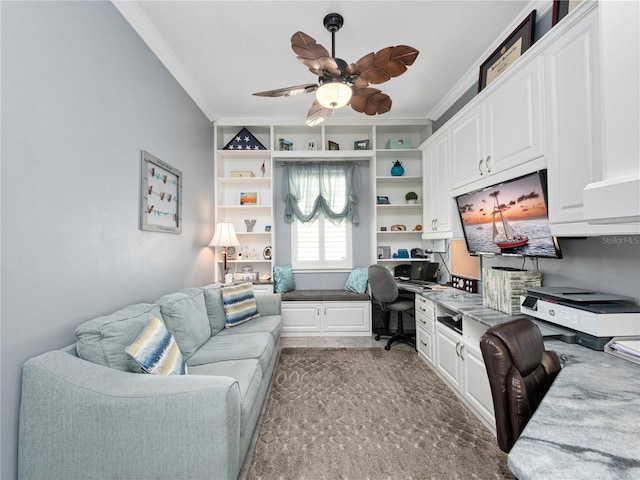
424	271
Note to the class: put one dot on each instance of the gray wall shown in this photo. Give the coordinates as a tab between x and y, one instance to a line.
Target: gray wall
608	264
81	96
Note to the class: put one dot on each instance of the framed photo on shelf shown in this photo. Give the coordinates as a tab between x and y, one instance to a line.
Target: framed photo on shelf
160	196
249	198
382	200
361	145
384	252
333	145
508	52
562	8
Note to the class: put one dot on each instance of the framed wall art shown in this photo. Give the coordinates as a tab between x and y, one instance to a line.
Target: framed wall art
508	52
361	145
160	196
249	198
562	8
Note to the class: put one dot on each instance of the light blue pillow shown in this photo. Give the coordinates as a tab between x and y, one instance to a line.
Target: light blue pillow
283	278
239	304
357	281
155	351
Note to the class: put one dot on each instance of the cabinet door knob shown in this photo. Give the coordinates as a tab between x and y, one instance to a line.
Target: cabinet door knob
487	163
435	224
480	166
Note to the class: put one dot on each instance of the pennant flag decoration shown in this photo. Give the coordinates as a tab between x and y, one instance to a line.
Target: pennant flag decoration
244	140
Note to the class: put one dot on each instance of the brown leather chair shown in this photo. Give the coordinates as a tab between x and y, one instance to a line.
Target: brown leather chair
520	373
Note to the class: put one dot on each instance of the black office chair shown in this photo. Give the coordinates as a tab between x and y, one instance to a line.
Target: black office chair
385	293
520	372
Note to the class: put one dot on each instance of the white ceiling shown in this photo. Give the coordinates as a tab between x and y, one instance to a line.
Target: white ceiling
223	51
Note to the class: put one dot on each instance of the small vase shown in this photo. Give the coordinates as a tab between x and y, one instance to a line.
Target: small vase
397	170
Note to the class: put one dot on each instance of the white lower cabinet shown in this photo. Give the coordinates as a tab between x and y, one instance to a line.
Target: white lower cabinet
458	361
326	318
448	359
475	385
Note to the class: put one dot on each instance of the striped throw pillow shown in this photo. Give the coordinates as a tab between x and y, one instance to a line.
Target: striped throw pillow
239	304
156	351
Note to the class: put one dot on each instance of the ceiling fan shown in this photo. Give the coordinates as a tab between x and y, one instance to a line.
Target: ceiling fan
341	84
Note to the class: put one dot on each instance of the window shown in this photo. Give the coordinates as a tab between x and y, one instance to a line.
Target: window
321	245
320	201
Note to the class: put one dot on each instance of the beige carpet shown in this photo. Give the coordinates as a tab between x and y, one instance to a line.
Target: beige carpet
368	414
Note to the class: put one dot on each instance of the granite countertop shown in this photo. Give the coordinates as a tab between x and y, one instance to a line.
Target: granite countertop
588	424
469	304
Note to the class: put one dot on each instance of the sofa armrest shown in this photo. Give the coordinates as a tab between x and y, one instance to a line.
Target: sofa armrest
269	304
82	420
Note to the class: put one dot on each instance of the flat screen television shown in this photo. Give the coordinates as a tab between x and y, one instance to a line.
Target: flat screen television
509	218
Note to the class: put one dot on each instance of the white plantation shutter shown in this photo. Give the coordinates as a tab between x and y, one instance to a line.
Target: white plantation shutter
321	245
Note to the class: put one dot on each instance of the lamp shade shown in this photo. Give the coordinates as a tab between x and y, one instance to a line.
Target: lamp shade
333	94
225	236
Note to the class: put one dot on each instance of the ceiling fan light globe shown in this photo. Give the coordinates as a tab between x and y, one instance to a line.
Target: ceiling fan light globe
333	94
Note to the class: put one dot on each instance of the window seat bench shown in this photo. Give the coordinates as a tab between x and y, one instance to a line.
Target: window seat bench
329	313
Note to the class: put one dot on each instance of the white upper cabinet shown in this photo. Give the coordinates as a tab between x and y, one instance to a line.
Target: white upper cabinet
500	132
439	208
571	67
613	198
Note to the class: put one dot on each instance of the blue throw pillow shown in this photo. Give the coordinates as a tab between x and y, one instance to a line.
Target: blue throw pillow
156	351
239	304
357	281
283	278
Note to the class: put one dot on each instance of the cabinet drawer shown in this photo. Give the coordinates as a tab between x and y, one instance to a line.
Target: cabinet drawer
425	307
424	344
424	322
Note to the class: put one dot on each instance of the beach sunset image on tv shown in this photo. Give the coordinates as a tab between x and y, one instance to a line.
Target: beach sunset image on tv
508	218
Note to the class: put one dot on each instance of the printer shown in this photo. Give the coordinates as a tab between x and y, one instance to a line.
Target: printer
594	317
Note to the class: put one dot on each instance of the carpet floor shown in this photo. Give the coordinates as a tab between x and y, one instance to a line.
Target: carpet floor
357	414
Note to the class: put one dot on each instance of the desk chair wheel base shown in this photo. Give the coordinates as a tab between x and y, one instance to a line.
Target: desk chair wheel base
377	337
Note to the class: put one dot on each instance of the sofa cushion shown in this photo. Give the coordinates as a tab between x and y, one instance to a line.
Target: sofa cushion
265	323
249	376
155	351
283	278
185	315
357	281
104	340
239	304
239	346
215	309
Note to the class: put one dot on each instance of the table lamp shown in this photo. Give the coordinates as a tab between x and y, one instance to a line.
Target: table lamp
224	236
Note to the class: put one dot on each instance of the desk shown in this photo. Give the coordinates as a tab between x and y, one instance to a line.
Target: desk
588	424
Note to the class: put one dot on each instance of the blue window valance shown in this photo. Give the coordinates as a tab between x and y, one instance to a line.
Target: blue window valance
328	188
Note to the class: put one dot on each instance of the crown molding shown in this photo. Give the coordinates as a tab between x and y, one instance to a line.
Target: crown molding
134	15
470	78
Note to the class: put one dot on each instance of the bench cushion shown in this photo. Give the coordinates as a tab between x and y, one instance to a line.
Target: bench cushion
324	296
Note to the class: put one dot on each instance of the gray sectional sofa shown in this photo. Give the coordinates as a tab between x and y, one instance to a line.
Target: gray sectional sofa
85	414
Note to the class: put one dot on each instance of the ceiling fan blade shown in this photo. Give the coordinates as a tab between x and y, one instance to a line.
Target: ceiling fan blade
317	114
386	63
370	101
289	91
313	55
